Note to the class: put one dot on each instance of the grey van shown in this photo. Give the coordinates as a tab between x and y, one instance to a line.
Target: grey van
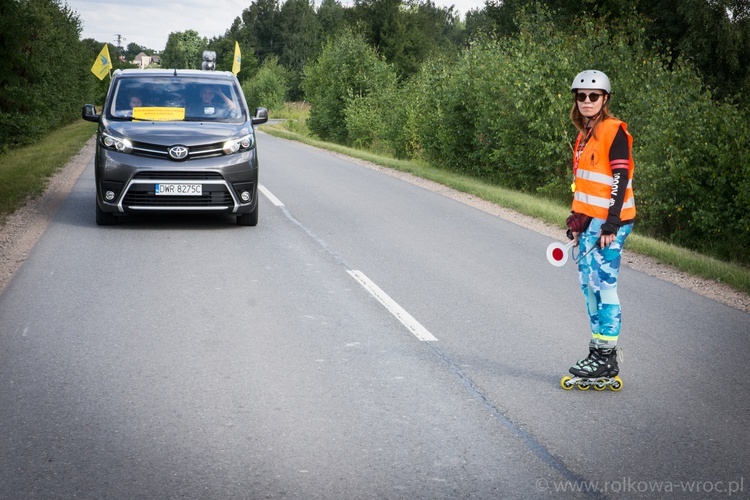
179	141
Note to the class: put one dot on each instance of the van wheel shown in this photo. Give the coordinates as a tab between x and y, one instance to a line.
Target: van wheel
250	219
105	218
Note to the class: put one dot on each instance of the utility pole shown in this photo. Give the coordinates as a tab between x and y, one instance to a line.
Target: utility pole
120	39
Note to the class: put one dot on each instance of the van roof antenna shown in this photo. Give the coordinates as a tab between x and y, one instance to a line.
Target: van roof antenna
175	72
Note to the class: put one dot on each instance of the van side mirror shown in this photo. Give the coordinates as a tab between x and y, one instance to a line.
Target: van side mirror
88	113
261	116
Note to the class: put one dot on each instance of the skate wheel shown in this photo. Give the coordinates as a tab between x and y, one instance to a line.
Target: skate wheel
600	385
583	385
565	382
616	384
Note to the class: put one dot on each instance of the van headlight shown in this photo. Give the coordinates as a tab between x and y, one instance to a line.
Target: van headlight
112	142
241	144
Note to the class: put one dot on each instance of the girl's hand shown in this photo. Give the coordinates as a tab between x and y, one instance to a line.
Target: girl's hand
606	239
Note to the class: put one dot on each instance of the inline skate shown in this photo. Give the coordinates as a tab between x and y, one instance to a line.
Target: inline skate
599	370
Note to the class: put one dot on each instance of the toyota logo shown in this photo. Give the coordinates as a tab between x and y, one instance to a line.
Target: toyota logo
178	152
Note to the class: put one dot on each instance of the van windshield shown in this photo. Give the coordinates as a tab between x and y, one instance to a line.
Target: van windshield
176	99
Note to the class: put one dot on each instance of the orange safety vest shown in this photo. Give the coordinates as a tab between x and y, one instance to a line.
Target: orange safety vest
593	174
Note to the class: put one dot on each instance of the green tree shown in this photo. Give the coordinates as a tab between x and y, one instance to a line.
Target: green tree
713	34
445	98
478	23
301	32
44	69
224	48
261	24
346	69
719	45
269	87
332	17
430	31
407	33
184	50
133	49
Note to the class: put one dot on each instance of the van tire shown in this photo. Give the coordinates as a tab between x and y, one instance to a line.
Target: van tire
104	218
250	219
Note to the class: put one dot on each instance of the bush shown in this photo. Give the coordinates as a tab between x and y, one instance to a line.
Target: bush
443	123
347	69
269	87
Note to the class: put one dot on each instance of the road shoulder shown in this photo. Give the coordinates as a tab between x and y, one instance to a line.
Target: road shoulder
23	228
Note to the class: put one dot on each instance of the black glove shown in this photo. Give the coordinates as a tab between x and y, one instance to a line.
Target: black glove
610	228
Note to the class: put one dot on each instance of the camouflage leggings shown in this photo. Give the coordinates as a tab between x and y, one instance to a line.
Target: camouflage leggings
598	274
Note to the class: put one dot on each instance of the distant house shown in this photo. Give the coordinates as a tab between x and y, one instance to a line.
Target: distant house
143	60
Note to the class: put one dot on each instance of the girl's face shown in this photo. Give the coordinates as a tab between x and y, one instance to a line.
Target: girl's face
590	102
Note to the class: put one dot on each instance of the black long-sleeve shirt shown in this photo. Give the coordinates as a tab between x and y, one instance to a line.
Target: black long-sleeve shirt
619	161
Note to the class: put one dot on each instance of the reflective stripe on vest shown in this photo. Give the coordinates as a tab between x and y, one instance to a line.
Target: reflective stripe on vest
598	201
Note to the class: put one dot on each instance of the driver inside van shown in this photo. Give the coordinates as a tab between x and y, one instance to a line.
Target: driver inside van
213	102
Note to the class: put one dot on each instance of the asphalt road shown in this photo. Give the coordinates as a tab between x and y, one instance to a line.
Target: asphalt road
188	357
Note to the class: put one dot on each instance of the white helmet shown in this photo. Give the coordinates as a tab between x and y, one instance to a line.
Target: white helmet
591	80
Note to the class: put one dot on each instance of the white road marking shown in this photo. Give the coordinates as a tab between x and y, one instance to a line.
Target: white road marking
414	326
270	195
404	317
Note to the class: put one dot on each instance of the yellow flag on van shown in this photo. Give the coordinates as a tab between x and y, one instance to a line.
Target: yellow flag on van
237	58
103	63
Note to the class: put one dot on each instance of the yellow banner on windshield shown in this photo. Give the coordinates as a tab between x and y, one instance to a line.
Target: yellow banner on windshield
160	114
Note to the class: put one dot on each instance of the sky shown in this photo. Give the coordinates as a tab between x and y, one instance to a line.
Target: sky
149	23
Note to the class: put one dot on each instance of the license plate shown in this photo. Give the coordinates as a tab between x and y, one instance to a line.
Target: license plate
178	189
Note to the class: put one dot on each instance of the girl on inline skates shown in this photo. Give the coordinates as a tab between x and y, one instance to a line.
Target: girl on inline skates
602	217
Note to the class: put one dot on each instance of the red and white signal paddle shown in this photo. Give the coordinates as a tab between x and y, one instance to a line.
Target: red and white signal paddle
557	253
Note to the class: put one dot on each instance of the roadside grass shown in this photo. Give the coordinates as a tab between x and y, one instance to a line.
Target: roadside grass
294	115
25	171
291	111
736	276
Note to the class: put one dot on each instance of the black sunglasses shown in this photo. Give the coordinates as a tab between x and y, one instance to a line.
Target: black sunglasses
593	97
